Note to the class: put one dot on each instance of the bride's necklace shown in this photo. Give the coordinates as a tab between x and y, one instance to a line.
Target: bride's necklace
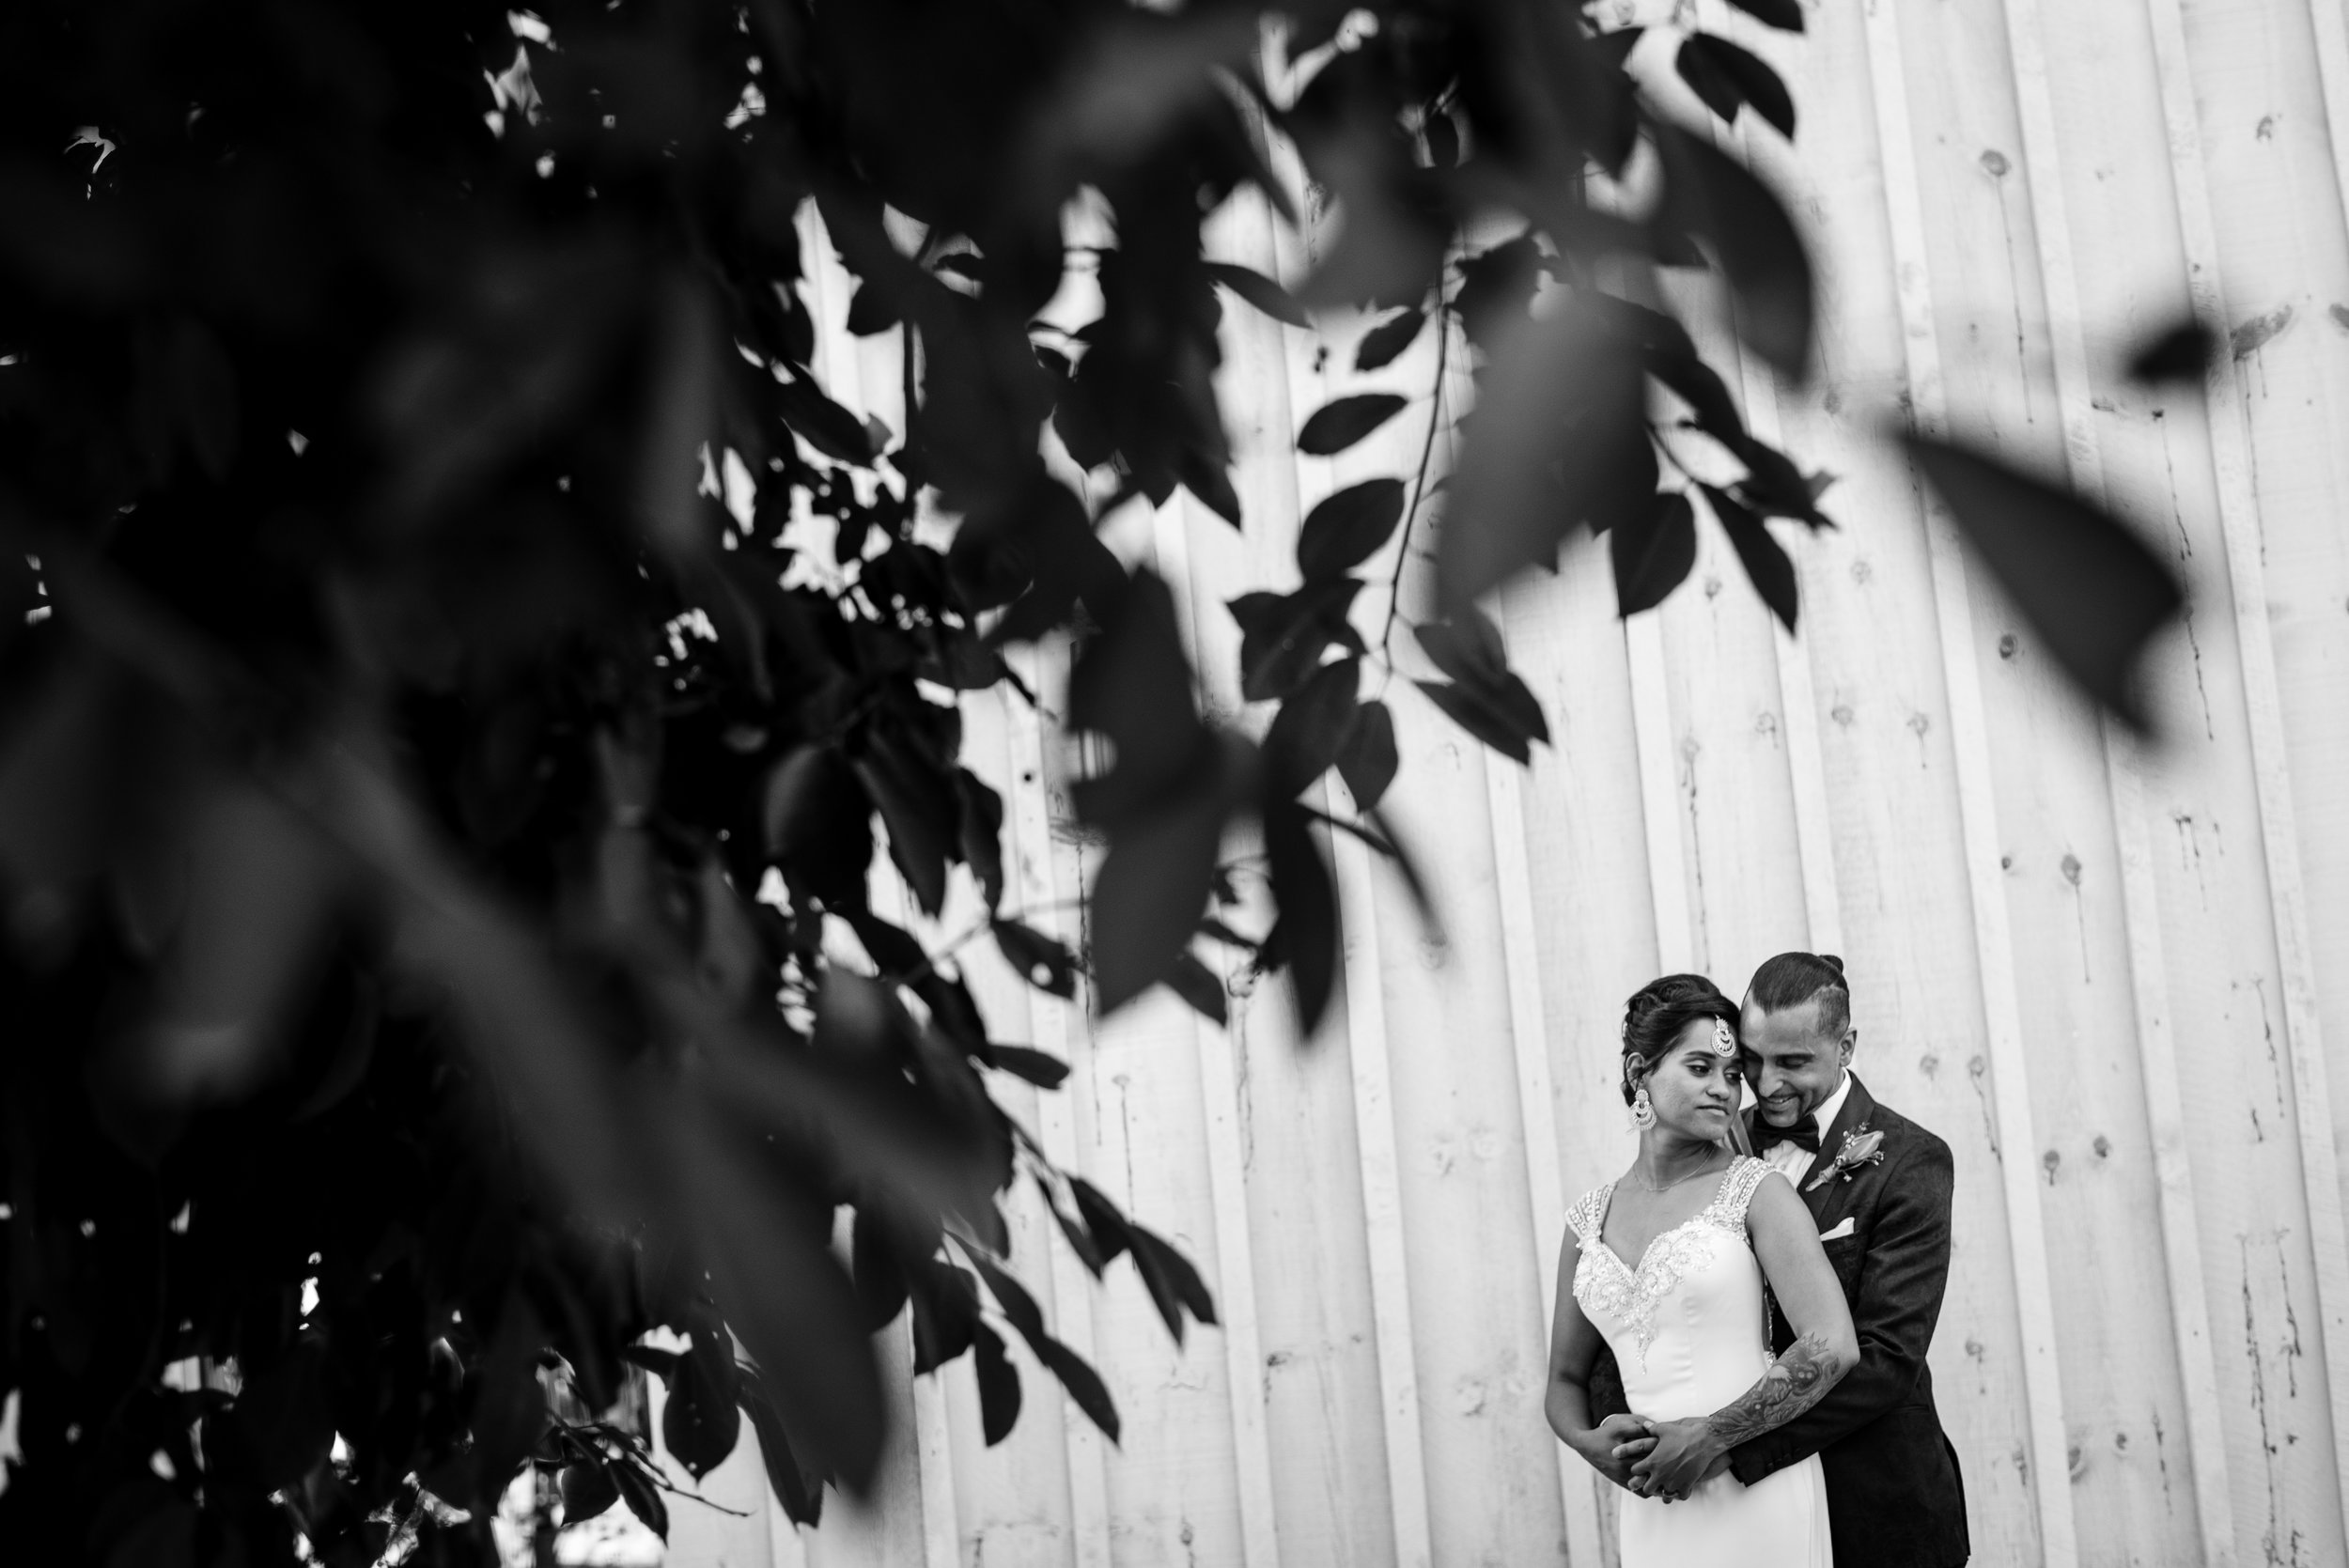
1692	1175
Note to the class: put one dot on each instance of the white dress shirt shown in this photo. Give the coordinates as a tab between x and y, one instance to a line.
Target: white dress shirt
1791	1160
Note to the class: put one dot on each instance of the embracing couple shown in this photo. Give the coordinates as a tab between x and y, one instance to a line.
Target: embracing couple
1742	1317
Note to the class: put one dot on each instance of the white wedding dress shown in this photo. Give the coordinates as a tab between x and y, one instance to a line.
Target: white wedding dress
1689	1335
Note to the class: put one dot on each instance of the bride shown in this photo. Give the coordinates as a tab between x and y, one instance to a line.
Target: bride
1707	1226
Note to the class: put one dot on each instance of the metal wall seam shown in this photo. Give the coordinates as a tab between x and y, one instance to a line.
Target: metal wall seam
2239	522
2189	1310
1048	878
2042	1384
1218	1088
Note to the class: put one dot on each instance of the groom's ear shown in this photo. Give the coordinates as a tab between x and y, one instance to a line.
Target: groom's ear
1851	1041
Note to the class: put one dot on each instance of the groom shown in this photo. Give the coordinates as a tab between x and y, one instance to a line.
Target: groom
1878	1185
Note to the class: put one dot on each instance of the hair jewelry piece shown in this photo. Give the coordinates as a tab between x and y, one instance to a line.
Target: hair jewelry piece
1724	1043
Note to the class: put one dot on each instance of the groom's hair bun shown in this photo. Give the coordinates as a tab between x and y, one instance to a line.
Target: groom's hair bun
1660	1010
1791	979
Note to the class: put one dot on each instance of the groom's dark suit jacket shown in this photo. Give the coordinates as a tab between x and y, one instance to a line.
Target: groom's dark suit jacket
1893	1496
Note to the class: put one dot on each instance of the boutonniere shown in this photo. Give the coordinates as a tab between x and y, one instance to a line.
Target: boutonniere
1860	1147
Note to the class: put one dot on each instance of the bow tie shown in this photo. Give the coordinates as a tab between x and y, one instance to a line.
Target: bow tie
1804	1134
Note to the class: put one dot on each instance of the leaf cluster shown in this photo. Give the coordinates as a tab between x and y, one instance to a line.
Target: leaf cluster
461	670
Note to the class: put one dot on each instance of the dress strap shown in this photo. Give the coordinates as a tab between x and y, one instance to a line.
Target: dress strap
1588	1213
1737	1188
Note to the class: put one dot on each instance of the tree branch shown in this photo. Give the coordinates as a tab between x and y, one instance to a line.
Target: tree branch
1418	486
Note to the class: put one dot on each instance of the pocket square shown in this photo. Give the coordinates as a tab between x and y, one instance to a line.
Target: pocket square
1841	1229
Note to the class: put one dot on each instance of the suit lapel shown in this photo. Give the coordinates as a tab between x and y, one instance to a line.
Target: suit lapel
1858	1106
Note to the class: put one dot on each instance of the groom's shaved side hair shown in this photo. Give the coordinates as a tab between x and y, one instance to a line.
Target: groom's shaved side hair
1791	979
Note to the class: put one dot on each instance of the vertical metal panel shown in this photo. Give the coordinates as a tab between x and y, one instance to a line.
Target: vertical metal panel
1374	1294
1234	1278
2238	506
2007	1107
1382	1205
2205	1422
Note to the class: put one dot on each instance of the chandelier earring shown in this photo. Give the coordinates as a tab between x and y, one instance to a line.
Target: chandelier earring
1642	1110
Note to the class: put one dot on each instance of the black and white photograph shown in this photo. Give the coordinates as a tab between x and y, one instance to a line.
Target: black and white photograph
1174	784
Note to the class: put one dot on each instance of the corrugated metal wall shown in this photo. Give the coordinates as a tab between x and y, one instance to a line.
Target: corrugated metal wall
2103	975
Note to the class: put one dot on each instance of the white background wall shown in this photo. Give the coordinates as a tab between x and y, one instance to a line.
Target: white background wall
2102	974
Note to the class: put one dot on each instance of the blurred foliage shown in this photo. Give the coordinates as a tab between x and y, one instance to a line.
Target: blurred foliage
435	787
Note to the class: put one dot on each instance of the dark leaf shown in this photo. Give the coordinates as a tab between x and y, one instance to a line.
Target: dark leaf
1335	427
1385	342
945	1310
1345	529
1756	81
1765	562
1212	484
823	424
2181	354
919	808
870	311
1705	76
1044	961
1174	1285
999	1387
1284	636
1082	1383
873	1268
699	1423
1112	1232
1308	930
1260	291
642	1495
1311	728
1132	684
785	1297
1784	14
1466	647
1392	218
819	822
1614	47
1040	1068
1774	488
891	947
1654	554
1367	761
1481	718
1199	986
1018	1307
1558	440
1496	289
1700	386
588	1489
980	834
1154	879
2089	589
800	1489
1714	197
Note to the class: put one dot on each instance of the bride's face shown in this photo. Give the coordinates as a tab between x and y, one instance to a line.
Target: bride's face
1695	1089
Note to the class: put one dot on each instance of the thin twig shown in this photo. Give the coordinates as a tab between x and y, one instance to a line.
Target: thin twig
1419	487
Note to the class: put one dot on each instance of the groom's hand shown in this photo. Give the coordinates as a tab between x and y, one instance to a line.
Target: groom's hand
1686	1456
1618	1442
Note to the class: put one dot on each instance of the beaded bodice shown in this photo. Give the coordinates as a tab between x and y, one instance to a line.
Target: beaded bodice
1609	1289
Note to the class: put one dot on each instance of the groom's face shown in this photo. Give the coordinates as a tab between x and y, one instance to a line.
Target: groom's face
1790	1064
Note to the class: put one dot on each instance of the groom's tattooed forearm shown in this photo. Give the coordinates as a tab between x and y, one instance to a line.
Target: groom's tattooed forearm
1795	1382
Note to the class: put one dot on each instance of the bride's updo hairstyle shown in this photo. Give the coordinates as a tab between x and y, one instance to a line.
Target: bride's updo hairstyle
1791	979
1660	1010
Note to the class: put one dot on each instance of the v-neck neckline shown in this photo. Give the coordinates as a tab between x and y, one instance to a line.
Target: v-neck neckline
1607	1207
